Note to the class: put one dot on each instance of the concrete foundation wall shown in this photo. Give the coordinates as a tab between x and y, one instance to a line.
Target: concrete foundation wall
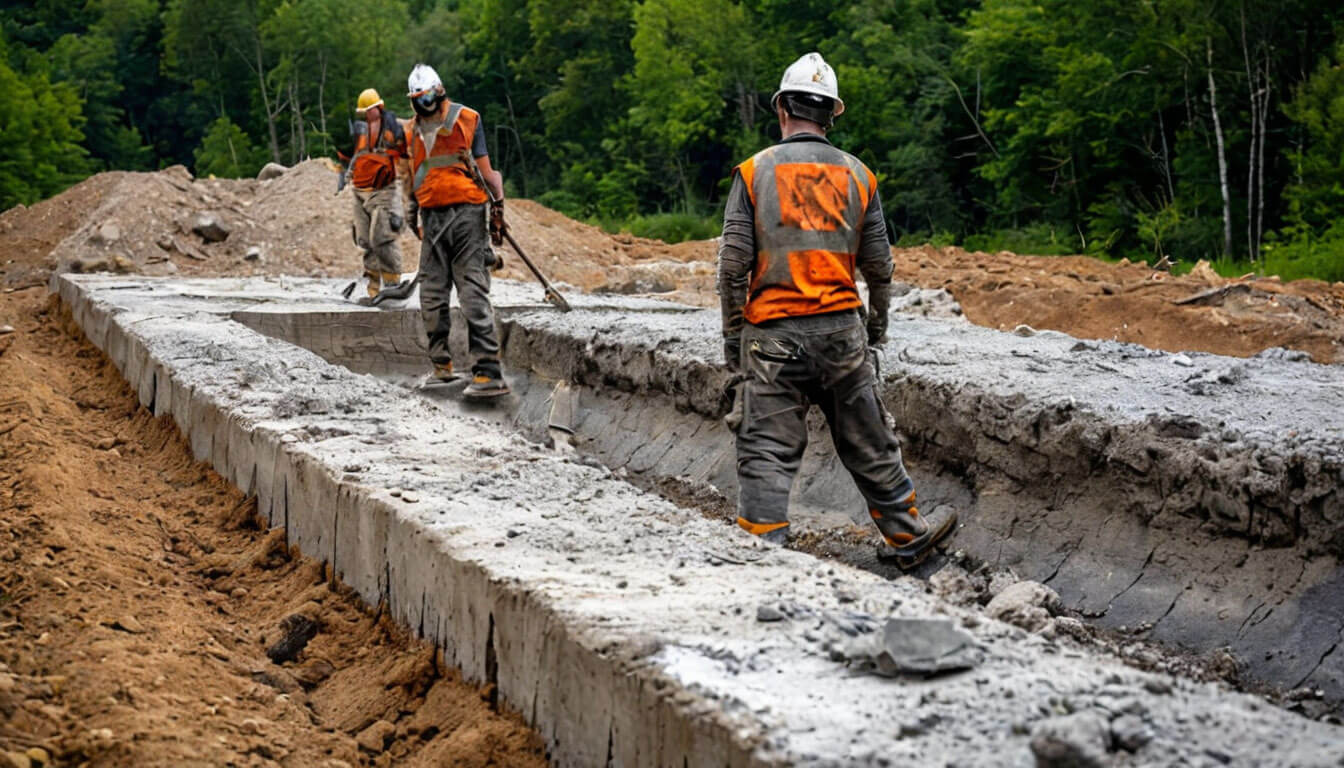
620	625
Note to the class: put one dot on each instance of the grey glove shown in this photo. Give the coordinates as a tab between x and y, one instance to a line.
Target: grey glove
413	217
340	182
394	221
732	353
879	304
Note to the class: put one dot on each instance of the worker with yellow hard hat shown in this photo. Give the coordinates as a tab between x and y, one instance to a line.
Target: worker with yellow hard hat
379	143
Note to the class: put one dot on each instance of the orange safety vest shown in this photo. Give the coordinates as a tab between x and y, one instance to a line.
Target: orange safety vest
810	200
442	179
373	165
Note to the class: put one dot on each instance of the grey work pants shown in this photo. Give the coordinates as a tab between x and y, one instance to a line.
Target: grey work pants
374	234
455	253
818	359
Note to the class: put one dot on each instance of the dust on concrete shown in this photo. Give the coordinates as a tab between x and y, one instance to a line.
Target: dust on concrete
138	599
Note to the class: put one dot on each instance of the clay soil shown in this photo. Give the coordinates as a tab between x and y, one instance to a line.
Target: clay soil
138	599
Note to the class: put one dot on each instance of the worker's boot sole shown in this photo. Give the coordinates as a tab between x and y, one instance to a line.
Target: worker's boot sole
486	394
906	559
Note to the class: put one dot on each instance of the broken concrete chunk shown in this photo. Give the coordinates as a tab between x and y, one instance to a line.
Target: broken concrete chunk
1027	604
924	646
210	228
767	613
253	254
1080	740
1131	733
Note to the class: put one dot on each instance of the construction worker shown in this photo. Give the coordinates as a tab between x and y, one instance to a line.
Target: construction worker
448	212
800	216
379	143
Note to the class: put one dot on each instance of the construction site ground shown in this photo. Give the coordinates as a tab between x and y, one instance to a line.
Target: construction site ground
139	595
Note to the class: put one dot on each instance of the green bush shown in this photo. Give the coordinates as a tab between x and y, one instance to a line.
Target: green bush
227	152
1307	256
1036	239
668	227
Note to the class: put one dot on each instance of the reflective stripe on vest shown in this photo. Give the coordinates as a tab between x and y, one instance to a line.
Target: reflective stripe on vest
810	200
438	161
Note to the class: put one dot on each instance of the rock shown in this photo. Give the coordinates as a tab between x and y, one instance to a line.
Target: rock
107	234
6	329
1024	330
311	673
253	254
954	584
1182	360
210	228
251	727
1000	581
767	613
296	630
16	760
376	736
1203	272
129	624
1027	604
164	242
409	497
1130	732
924	646
1080	740
38	755
271	171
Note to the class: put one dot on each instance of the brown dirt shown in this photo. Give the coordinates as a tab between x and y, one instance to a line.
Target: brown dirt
137	600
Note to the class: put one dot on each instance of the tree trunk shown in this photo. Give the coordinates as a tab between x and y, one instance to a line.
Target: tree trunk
1253	89
266	105
1222	154
322	105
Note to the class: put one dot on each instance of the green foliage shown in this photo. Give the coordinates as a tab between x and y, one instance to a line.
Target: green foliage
1045	126
227	152
668	227
1316	256
41	122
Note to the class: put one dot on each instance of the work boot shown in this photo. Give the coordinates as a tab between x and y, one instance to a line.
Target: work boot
486	383
775	533
443	372
391	278
374	283
911	535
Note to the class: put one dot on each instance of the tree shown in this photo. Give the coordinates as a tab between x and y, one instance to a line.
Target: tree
228	152
40	121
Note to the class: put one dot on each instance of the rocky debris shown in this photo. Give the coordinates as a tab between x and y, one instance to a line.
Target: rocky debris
909	646
129	624
1131	733
107	234
1079	740
6	329
271	171
115	263
926	302
1027	604
253	254
376	736
210	228
297	629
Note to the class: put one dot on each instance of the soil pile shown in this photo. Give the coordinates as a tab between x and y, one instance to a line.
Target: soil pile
144	620
297	224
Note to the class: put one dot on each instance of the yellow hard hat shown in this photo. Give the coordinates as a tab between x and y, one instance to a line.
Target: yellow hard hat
368	99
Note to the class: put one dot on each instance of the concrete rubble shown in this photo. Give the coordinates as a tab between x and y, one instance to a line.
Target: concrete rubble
628	629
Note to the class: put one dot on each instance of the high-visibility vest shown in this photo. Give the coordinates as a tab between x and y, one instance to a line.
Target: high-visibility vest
441	178
373	165
810	200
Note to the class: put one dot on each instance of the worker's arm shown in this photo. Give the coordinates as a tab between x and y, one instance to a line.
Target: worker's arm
737	255
482	155
876	266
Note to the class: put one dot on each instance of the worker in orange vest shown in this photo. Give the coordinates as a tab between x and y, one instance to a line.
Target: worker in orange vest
800	217
379	143
448	211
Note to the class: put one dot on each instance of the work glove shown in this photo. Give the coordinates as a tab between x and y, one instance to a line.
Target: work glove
394	221
732	353
879	303
413	218
497	222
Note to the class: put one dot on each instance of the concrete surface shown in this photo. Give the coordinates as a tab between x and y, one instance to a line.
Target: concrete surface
622	626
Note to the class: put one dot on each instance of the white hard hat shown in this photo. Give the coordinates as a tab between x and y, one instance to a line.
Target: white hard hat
423	78
810	74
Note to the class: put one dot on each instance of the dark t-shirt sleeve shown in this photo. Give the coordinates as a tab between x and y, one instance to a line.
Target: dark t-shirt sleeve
478	141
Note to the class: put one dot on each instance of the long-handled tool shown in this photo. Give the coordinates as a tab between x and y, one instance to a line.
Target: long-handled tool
552	295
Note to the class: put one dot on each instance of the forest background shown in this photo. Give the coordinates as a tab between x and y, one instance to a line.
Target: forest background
1193	129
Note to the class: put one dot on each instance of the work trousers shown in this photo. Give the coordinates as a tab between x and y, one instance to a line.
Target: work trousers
374	234
790	363
455	253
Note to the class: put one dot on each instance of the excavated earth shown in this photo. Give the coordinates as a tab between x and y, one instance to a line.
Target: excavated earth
1193	496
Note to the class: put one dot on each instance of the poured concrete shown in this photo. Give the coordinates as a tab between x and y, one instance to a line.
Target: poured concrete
620	625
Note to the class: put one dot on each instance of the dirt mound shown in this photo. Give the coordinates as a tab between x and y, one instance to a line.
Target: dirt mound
138	602
296	224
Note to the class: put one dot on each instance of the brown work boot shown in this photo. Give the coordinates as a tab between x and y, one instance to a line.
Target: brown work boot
911	535
391	278
374	283
775	533
486	384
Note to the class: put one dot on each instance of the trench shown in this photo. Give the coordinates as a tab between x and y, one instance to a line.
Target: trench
1105	534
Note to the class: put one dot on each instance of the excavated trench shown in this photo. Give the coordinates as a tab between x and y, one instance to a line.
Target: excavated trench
1190	501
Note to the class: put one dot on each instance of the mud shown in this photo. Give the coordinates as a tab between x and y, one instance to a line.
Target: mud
526	566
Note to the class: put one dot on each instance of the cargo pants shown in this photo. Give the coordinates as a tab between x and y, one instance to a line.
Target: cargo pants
455	253
374	231
790	363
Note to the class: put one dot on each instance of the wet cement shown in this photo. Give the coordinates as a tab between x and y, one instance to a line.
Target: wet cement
618	623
